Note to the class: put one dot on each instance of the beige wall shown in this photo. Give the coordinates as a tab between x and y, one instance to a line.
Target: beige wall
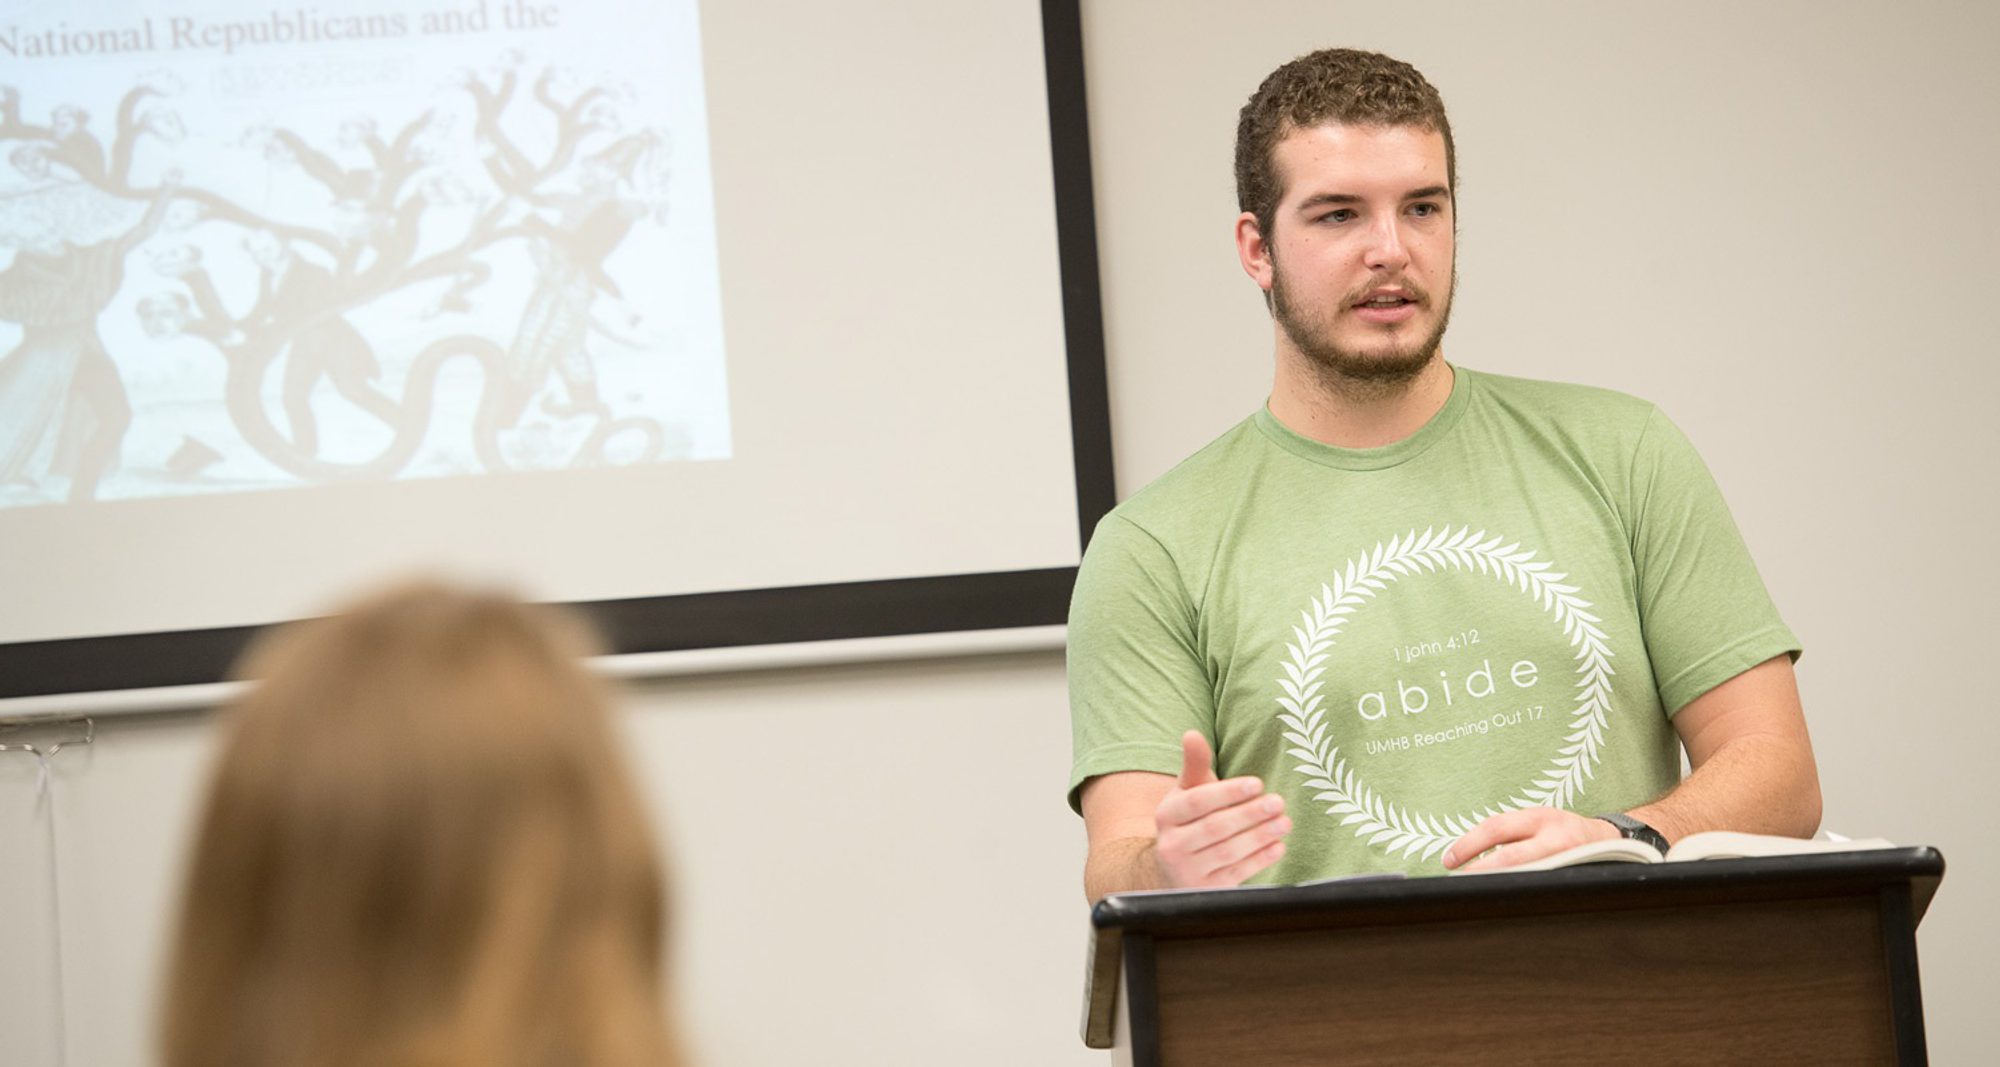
1772	219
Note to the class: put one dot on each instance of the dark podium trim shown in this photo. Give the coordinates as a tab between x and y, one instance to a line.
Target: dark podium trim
1899	948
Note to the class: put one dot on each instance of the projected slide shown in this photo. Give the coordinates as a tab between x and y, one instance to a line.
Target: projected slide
250	247
299	296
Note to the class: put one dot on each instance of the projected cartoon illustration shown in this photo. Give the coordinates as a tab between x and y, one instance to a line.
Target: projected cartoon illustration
63	407
254	274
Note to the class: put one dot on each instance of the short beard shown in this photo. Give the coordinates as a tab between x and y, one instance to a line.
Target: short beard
1345	371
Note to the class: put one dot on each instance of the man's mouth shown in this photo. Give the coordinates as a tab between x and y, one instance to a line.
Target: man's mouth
1386	306
1385	299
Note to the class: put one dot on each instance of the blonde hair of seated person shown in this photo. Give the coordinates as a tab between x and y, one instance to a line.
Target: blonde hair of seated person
421	847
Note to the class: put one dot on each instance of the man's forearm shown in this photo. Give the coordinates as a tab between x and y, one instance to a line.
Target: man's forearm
1158	831
1761	783
1121	866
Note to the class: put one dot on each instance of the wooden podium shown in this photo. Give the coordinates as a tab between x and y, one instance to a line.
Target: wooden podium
1792	959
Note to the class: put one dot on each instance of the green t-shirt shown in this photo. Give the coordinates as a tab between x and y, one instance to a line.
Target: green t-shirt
1502	610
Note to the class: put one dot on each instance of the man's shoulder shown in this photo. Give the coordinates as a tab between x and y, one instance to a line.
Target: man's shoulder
1561	401
1198	484
1580	422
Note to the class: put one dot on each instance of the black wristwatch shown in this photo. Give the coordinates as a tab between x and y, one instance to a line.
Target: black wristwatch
1636	830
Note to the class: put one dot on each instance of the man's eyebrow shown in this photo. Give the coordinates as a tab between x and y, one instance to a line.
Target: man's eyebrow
1323	199
1428	192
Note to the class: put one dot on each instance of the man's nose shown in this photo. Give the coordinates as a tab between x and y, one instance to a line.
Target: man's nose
1386	250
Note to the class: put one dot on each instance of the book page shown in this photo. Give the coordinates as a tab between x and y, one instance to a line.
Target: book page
1731	844
1615	850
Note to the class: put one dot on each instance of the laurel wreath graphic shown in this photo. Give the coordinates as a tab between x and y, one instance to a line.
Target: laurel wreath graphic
1396	828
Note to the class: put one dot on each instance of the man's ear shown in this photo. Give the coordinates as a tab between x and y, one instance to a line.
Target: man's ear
1253	252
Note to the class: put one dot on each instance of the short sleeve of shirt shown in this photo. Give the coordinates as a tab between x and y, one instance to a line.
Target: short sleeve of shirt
1703	608
1136	681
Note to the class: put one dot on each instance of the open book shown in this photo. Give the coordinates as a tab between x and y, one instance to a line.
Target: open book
1708	845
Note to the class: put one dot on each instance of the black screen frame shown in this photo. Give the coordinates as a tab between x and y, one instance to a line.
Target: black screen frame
942	603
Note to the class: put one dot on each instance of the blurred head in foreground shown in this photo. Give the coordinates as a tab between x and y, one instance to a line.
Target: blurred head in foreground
421	847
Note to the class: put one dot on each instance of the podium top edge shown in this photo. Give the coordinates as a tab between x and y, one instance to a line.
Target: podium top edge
1616	885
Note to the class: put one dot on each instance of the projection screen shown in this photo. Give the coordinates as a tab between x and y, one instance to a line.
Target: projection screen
733	323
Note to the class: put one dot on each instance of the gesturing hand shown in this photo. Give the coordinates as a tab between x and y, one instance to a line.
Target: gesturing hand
1216	833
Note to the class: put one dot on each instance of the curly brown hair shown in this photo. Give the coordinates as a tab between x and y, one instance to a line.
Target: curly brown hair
1332	85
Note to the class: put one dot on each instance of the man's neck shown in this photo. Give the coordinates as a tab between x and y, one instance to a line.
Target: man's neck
1357	412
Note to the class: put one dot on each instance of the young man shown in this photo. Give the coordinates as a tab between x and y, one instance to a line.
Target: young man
1412	617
